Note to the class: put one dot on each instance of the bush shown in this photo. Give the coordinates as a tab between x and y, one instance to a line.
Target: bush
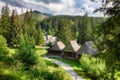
8	73
95	67
4	52
61	75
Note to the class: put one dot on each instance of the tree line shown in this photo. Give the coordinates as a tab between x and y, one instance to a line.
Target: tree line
68	28
12	26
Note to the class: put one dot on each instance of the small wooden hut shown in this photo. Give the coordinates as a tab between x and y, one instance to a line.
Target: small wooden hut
88	48
57	48
70	50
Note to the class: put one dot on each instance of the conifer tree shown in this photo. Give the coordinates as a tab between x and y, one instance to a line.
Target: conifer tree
39	36
30	24
5	22
64	31
27	49
14	29
85	30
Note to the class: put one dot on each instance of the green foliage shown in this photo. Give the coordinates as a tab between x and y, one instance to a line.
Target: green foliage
4	53
5	22
12	26
14	29
64	30
26	53
85	30
53	24
109	31
58	75
95	67
39	37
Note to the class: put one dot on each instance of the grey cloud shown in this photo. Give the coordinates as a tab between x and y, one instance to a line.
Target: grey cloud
23	4
49	1
17	3
78	5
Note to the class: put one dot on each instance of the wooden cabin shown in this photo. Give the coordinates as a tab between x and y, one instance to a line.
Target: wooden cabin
70	50
57	48
88	48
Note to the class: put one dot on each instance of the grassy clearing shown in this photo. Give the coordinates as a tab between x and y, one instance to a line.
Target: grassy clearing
52	66
75	65
54	70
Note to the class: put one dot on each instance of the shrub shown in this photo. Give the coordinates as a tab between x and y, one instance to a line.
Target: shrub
95	67
8	73
4	52
61	75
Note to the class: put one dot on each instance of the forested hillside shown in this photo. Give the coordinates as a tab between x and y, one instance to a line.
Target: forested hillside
38	15
57	25
51	24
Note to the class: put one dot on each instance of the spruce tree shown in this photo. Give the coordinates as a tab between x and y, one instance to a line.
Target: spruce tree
85	30
30	24
39	36
26	51
64	31
14	29
5	22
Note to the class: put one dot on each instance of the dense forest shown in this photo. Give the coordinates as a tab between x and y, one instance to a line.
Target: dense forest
57	25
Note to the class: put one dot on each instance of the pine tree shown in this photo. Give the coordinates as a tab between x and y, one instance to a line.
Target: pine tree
85	30
14	29
5	22
39	37
27	49
30	24
64	31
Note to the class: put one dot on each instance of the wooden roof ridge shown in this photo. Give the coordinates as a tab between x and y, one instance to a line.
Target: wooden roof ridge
59	45
72	46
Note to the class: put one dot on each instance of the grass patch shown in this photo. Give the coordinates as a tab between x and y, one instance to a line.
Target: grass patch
49	63
54	70
12	50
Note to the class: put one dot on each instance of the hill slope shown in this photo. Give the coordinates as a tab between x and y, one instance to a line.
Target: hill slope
40	16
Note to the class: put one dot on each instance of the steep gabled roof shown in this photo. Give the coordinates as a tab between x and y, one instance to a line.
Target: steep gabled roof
89	48
58	46
72	46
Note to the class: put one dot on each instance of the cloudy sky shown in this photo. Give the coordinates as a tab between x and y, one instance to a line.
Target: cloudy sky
55	7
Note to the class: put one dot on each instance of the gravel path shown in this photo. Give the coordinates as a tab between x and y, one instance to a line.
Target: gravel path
69	69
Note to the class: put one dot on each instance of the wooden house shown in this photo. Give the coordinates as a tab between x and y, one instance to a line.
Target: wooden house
57	48
70	50
88	48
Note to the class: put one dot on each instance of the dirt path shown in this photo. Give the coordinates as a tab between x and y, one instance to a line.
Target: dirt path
69	69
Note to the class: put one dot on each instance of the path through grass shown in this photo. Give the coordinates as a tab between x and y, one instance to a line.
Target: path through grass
75	65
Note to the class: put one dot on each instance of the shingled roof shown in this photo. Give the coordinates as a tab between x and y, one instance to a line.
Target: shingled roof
72	46
58	46
89	48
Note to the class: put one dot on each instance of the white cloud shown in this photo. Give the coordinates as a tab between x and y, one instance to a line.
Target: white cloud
65	7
